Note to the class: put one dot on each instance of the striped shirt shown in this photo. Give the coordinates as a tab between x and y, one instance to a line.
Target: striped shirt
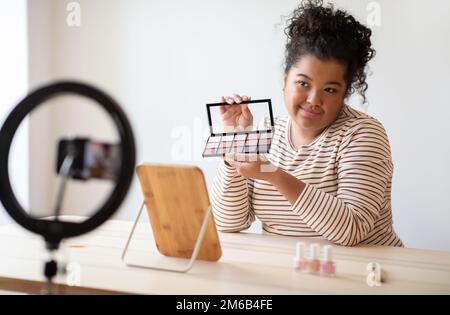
347	170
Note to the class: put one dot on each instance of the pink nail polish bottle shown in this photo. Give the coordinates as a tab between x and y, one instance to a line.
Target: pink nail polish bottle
300	262
328	267
314	262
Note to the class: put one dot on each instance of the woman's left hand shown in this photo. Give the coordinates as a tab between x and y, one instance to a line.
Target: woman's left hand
258	167
252	166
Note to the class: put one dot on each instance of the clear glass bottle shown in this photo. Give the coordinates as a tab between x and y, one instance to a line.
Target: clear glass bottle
314	262
300	261
327	266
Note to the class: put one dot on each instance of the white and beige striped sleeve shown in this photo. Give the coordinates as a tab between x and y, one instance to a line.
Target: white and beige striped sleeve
230	200
364	169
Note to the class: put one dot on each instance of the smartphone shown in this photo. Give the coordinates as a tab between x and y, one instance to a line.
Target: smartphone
92	159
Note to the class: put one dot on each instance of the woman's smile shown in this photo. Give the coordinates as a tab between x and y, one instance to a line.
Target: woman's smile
307	113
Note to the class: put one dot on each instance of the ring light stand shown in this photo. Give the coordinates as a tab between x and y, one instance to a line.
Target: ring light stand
53	231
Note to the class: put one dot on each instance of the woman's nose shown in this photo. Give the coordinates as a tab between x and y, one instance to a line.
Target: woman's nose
314	98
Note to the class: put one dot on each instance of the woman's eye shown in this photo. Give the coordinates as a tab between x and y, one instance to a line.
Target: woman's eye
303	83
330	90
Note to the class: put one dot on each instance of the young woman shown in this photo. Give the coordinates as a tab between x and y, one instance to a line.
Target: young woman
330	166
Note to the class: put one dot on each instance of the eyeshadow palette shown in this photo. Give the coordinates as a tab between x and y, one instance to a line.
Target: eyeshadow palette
253	141
238	143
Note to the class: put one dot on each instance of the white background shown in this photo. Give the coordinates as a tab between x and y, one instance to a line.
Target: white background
164	60
13	86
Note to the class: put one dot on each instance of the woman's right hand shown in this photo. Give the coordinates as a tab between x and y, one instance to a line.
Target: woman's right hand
235	117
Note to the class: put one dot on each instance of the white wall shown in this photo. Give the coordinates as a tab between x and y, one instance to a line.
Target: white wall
40	53
13	83
163	60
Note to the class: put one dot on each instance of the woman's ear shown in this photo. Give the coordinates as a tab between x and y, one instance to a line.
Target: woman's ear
284	81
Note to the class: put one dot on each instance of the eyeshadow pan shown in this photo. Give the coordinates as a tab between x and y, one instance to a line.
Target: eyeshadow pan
228	138
264	141
263	148
212	145
236	149
214	139
265	135
209	152
240	137
222	151
238	143
226	144
251	142
250	149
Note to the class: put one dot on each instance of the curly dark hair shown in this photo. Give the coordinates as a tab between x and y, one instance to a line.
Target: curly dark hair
327	33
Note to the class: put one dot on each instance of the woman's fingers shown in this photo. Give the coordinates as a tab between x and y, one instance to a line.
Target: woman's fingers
246	110
246	157
223	109
234	98
229	158
240	158
237	98
229	100
233	113
227	114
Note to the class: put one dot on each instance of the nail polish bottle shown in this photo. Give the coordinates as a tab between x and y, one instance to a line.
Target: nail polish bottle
300	262
328	267
314	262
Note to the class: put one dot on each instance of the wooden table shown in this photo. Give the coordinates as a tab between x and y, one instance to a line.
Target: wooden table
251	264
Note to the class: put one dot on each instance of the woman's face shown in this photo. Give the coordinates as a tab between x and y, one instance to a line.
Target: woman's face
314	92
